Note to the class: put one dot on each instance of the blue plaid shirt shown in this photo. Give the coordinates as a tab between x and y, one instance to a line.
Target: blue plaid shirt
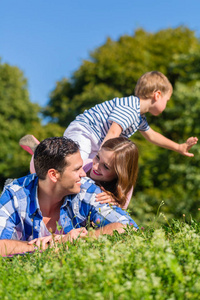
20	215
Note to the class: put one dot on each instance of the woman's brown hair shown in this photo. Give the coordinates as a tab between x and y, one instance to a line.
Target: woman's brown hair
126	167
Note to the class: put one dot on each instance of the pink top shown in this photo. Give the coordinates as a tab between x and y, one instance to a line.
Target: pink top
87	164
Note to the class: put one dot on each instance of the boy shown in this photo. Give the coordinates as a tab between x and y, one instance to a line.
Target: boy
124	116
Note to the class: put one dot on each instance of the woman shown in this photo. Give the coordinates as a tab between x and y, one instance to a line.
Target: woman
114	168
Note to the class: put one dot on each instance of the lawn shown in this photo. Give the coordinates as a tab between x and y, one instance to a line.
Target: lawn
157	262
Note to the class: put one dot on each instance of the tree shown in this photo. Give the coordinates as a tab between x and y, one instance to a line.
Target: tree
114	68
171	177
18	117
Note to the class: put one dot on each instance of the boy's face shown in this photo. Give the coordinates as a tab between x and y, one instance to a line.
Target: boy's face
159	102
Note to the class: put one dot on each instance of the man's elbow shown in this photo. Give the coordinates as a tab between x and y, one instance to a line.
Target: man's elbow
122	227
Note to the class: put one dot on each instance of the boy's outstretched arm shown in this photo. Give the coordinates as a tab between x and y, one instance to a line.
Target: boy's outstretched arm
114	131
159	140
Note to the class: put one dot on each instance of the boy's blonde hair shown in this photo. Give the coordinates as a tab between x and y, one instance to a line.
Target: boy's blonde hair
151	82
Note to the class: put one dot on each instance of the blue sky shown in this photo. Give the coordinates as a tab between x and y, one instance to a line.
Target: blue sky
48	40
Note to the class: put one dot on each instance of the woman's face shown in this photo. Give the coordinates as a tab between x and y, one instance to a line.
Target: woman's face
103	166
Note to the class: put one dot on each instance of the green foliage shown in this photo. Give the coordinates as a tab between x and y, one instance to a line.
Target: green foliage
166	175
60	103
114	68
153	263
17	117
112	71
63	110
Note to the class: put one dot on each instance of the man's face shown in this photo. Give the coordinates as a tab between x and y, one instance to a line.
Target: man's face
69	180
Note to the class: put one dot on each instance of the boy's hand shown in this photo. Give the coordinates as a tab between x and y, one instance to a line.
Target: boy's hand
185	147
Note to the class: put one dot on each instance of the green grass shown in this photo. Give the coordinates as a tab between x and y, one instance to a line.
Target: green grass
154	263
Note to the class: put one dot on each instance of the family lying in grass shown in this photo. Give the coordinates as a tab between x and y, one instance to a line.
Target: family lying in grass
57	197
32	206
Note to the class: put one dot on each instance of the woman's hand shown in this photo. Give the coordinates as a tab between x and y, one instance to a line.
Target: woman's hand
106	197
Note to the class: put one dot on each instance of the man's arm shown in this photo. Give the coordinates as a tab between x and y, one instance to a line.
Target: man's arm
8	247
110	228
105	214
100	215
51	241
159	140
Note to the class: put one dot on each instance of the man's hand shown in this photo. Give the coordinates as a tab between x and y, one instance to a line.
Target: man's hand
51	240
74	234
44	242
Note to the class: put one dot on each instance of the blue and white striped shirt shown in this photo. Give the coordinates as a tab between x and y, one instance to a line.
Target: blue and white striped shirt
20	215
124	111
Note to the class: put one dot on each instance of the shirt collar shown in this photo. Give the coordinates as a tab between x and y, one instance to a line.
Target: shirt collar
34	204
67	199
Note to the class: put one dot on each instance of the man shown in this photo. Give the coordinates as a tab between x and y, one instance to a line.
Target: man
33	206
